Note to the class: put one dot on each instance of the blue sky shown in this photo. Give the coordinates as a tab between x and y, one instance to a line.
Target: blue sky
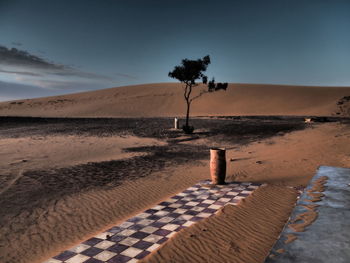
70	46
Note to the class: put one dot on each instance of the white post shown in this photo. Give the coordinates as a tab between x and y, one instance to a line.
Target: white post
176	123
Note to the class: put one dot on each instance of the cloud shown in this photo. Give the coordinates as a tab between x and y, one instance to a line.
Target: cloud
16	57
71	72
17	44
126	76
26	73
37	66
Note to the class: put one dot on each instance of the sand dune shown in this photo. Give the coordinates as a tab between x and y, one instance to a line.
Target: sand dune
166	99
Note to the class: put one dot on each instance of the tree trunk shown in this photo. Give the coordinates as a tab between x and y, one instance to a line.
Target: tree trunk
188	113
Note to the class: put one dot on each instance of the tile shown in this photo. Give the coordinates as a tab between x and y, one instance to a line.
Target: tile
171	200
65	255
204	215
117	248
126	232
191	212
143	215
161	241
129	241
152	238
105	255
131	252
203	205
170	227
93	260
180	211
157	224
153	247
142	244
117	238
136	227
104	235
119	259
166	219
225	200
158	207
115	229
175	205
185	217
154	217
142	254
92	241
192	203
179	221
134	219
104	244
188	223
164	232
216	207
198	209
174	215
92	251
79	248
208	201
126	224
52	260
169	209
165	204
79	258
151	211
145	222
138	236
149	229
161	213
196	218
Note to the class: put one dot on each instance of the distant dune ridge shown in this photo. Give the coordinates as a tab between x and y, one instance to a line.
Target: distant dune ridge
166	100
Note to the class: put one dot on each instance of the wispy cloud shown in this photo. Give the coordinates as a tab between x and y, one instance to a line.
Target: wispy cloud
126	76
18	44
26	73
16	57
37	66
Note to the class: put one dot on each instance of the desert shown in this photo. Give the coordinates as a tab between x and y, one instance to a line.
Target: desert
68	174
174	131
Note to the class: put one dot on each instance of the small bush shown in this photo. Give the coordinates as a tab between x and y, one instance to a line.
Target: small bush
188	129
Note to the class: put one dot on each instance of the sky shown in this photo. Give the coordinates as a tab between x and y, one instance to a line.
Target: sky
52	47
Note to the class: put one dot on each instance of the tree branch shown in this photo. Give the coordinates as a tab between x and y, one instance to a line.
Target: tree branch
199	95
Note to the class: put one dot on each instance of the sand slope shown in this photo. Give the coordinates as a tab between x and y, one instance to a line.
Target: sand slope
166	99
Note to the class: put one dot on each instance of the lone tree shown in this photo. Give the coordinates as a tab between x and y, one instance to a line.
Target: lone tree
188	73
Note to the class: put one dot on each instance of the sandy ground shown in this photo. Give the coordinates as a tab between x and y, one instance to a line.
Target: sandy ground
166	99
235	234
44	152
64	180
73	194
246	233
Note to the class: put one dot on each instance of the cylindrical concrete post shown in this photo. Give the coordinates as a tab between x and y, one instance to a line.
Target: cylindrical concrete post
176	123
218	165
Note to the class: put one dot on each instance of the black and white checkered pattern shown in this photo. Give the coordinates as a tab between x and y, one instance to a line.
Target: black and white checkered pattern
140	235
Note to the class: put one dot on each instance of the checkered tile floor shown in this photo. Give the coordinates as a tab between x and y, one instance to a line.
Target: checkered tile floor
140	235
